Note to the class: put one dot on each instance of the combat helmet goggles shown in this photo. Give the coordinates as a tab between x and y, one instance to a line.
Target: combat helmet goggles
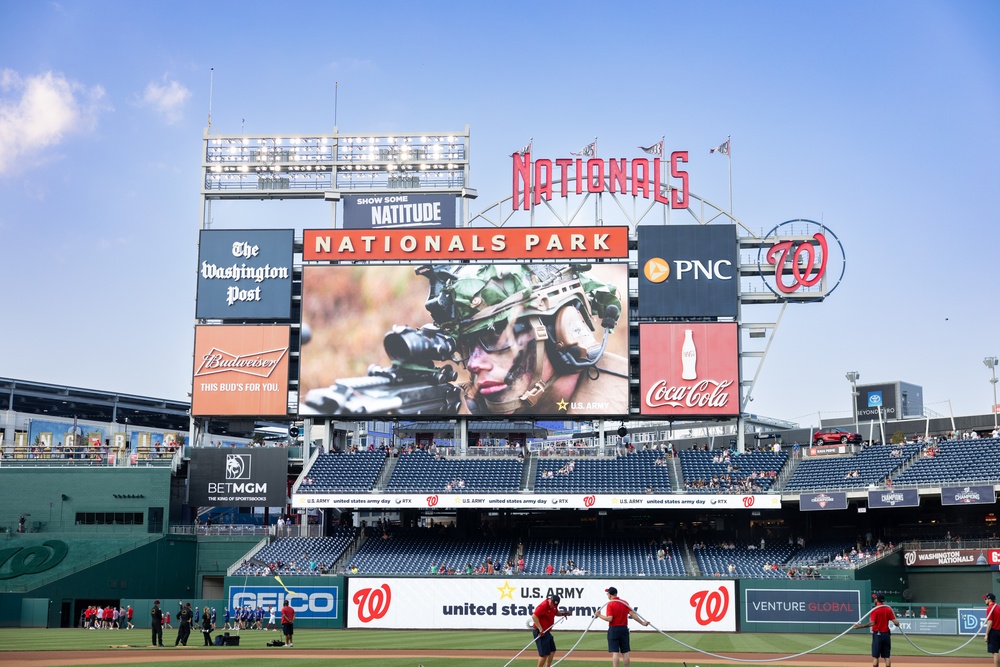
477	304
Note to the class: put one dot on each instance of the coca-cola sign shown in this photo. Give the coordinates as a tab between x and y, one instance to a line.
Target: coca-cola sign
689	369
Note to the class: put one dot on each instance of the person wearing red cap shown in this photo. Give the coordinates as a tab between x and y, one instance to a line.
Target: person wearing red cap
878	621
542	621
993	627
618	613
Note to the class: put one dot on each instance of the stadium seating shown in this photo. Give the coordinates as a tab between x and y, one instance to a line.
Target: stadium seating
298	555
415	551
873	465
955	462
726	472
744	559
633	473
420	472
612	558
337	472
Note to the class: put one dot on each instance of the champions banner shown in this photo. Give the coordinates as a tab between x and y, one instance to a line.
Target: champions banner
832	500
894	498
968	495
499	603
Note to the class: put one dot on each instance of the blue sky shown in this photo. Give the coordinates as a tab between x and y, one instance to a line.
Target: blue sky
878	119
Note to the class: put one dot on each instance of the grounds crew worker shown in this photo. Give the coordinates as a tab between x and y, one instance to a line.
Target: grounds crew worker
527	335
993	627
878	621
618	613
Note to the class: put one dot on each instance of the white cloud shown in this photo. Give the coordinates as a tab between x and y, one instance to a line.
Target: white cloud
167	99
38	112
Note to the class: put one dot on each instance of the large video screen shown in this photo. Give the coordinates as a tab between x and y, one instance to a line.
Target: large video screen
465	339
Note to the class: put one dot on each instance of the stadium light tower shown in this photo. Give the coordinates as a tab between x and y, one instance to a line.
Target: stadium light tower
991	363
852	377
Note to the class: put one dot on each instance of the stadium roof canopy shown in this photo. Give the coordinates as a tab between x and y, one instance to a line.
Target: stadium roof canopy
93	405
497	427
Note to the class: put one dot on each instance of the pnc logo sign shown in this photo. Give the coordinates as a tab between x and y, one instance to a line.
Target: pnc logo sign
688	270
657	269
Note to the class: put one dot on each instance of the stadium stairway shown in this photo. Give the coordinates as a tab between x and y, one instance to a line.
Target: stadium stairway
383	477
528	473
676	479
341	563
785	474
909	463
690	562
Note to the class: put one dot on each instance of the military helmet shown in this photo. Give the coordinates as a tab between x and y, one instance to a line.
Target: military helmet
468	298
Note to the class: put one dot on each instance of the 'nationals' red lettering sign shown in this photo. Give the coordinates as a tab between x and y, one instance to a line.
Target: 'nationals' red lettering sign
639	176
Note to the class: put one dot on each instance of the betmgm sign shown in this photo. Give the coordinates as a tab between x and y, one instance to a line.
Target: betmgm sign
249	477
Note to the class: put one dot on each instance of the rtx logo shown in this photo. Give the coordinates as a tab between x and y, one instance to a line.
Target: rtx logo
237	466
658	270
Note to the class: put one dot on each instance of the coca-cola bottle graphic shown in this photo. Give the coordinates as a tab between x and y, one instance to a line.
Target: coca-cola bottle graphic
689	358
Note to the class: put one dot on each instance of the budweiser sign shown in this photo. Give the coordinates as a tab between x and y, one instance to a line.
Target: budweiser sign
240	370
689	369
258	364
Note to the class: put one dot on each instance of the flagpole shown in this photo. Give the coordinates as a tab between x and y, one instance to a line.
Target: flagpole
729	154
663	168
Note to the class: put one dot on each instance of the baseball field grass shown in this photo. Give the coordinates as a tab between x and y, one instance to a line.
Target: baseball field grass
401	648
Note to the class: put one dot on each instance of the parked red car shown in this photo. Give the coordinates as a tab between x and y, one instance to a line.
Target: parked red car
825	435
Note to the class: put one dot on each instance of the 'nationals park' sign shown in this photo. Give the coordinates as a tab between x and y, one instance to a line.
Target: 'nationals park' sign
465	244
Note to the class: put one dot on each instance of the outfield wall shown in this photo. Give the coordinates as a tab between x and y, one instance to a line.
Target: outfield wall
93	571
506	603
318	601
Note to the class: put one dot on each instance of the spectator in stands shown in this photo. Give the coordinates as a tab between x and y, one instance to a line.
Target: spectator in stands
549	569
524	350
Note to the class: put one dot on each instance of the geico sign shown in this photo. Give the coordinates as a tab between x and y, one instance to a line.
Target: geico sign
317	602
658	270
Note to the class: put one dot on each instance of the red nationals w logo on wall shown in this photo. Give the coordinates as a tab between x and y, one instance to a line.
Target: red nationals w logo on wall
710	606
373	603
689	369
